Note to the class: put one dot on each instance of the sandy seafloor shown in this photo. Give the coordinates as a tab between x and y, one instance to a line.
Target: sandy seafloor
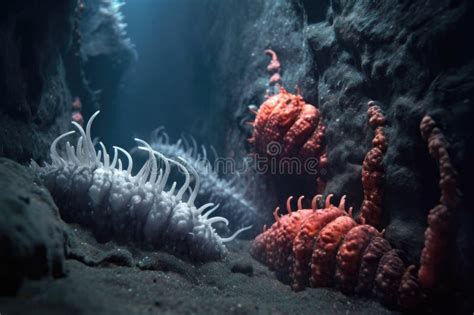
111	279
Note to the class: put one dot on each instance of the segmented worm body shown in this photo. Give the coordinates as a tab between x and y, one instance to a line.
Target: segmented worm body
94	190
322	247
233	201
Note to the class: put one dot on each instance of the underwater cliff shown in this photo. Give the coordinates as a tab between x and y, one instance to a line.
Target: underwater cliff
250	157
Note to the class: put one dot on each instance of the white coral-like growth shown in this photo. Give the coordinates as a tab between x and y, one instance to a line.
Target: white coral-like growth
95	190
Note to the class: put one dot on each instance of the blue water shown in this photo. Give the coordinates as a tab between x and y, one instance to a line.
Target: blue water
169	83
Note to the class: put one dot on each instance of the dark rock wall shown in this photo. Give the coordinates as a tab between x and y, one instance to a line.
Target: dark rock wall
48	51
412	57
32	236
34	97
106	53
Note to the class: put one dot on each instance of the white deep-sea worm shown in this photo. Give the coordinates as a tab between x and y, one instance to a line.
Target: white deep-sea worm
234	202
95	190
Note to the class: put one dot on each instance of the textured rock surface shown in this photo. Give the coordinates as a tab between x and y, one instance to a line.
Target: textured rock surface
106	53
32	236
103	31
40	66
34	97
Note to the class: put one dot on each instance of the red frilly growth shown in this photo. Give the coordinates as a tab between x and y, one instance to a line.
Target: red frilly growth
372	169
439	218
286	126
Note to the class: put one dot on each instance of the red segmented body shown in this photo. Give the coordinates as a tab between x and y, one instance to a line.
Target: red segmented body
301	130
324	255
439	218
352	256
389	276
304	241
327	247
372	169
370	259
274	247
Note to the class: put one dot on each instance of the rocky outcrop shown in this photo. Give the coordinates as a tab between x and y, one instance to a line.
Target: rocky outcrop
32	235
106	53
35	100
49	50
